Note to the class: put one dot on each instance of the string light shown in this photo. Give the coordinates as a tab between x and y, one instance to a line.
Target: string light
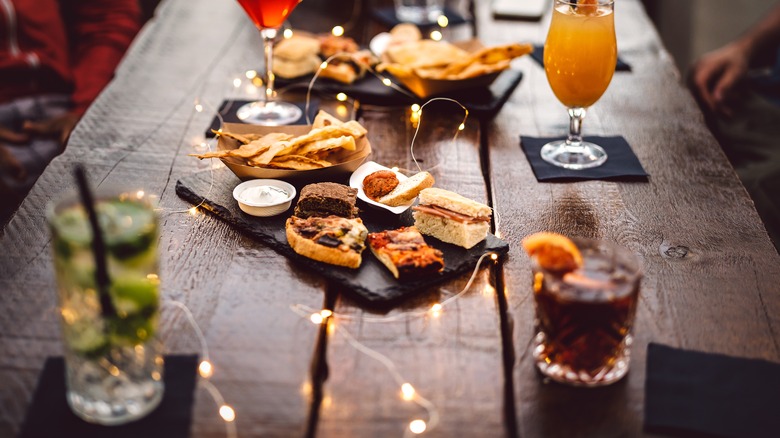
251	74
316	318
387	82
198	107
436	35
407	391
443	21
205	369
337	31
417	427
227	413
287	34
341	97
237	82
193	211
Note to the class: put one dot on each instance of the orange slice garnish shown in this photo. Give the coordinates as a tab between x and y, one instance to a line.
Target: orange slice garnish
587	7
553	251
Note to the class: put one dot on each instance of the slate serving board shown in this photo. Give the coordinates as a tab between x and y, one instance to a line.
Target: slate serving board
482	102
372	284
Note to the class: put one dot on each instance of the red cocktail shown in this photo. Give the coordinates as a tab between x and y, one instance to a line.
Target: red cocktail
268	16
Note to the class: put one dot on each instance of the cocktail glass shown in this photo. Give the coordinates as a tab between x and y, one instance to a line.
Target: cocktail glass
584	318
579	58
114	362
268	16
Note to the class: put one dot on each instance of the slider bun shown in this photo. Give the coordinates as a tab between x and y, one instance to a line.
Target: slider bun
446	230
407	190
454	202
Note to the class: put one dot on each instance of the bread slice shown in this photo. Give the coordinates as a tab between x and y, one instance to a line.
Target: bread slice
349	258
450	231
407	190
454	202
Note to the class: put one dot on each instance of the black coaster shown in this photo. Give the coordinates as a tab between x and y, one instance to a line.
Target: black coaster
387	17
50	416
538	56
228	110
689	393
621	164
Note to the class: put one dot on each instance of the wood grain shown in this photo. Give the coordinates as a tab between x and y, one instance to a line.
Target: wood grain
710	282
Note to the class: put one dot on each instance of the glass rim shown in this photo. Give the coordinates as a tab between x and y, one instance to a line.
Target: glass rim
71	196
575	2
635	269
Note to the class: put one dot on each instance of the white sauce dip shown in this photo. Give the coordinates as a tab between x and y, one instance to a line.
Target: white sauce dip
264	195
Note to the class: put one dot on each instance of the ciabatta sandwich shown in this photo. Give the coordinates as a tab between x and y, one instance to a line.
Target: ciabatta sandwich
451	217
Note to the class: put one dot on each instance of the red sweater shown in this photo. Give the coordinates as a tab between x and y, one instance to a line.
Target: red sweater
63	46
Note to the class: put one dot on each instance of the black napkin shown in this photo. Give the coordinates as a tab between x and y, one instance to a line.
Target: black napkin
387	17
621	164
50	416
538	56
689	393
228	110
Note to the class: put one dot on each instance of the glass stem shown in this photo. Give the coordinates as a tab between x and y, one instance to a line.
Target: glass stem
268	47
576	115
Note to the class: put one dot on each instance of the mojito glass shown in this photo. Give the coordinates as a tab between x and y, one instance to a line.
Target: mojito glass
113	360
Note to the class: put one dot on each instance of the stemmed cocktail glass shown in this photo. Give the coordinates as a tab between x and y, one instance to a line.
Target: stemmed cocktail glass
579	58
268	16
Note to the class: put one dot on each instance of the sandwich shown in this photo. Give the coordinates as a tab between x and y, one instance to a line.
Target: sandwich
451	218
405	253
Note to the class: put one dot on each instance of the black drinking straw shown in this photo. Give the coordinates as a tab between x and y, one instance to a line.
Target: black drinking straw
98	246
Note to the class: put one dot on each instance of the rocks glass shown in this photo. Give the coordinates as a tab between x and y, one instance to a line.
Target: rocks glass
584	317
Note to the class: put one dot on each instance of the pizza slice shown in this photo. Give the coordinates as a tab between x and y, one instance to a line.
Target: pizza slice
405	253
333	239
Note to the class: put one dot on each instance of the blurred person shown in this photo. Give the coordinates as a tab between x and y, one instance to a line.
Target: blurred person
738	88
55	58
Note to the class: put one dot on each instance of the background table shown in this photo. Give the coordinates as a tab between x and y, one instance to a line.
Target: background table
711	273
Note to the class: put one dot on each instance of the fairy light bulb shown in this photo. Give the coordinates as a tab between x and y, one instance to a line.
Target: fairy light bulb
494	257
443	21
193	211
417	427
461	127
407	391
205	369
415	107
436	35
337	31
341	97
316	318
227	413
251	74
288	33
325	313
237	82
387	82
342	111
324	65
436	309
199	108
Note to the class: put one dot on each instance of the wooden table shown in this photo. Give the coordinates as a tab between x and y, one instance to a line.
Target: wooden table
711	273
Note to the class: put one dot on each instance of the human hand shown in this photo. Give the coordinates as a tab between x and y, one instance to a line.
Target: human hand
716	76
58	127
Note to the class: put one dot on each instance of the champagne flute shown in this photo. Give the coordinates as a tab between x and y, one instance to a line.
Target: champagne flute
579	58
268	16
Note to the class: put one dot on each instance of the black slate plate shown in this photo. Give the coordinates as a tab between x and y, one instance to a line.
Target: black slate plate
482	102
371	284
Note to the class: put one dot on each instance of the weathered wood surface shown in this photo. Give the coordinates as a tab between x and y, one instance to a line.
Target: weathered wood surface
711	273
710	284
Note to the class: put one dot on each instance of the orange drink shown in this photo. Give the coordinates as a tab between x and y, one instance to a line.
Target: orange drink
579	58
580	54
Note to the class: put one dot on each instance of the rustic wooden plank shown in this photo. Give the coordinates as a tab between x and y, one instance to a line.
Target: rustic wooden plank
454	359
710	270
139	132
